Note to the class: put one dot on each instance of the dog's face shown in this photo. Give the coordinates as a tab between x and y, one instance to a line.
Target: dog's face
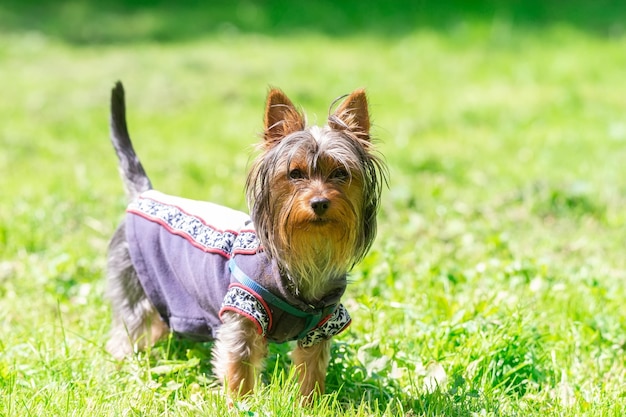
314	192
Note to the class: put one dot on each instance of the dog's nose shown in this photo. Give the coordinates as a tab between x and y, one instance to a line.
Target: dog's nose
320	205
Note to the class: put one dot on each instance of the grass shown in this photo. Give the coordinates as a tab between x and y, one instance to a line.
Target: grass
496	284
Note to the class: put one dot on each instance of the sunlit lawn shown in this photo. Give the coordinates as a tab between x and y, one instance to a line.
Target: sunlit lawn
495	286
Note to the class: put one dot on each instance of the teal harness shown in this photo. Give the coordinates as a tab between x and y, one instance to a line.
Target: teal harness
319	323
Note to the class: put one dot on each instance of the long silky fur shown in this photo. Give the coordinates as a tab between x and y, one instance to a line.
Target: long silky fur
346	149
302	248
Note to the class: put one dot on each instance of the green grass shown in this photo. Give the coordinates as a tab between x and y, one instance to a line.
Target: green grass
496	284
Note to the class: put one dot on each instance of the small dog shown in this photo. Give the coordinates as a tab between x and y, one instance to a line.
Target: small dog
212	273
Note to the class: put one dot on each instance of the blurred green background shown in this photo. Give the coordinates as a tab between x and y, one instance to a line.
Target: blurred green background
88	22
498	271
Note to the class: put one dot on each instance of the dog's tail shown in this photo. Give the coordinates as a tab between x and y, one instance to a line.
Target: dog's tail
134	176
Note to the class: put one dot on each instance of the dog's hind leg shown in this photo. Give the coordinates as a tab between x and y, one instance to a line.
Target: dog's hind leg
136	322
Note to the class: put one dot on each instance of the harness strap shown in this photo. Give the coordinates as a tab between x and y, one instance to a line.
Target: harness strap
312	317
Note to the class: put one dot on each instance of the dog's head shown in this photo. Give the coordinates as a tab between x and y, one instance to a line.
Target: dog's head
314	191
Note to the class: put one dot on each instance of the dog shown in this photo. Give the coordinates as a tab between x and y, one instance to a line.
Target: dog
211	273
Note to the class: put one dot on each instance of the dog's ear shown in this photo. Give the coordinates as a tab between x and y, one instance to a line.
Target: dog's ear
352	115
281	117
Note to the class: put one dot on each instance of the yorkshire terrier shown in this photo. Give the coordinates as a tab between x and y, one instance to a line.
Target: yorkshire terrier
208	272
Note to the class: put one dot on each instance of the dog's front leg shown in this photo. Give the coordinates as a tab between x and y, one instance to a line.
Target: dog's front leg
311	363
238	353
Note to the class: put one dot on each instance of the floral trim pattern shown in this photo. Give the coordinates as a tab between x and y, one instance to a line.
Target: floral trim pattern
194	229
331	326
243	301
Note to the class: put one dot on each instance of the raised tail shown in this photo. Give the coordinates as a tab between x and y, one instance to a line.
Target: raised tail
134	176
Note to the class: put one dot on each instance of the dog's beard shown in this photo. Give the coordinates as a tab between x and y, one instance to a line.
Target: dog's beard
316	252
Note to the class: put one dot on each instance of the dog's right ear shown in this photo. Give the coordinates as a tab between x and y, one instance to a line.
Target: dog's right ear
281	118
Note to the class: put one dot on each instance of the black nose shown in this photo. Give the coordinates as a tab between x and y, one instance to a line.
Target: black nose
320	205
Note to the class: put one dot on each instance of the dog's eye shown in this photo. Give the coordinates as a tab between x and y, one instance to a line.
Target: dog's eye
339	174
296	174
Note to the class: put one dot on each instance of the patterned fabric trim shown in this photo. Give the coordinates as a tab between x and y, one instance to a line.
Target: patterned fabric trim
329	327
244	301
192	228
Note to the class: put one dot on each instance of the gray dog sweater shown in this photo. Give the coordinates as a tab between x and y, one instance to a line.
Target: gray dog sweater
197	259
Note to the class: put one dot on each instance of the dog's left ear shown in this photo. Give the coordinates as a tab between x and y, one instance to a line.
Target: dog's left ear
352	115
281	117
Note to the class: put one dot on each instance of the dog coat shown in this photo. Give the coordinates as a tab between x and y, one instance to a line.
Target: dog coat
197	259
